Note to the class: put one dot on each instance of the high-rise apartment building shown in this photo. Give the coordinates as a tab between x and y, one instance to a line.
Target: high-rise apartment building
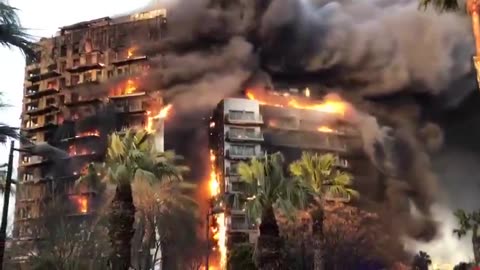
243	128
62	90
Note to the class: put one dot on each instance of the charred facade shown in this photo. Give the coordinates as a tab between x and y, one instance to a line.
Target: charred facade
64	107
242	128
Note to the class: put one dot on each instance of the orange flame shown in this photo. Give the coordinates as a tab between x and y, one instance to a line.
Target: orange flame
332	104
325	129
130	52
88	133
73	150
163	114
213	183
127	87
82	204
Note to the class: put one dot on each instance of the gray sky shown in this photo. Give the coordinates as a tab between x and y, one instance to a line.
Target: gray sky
43	18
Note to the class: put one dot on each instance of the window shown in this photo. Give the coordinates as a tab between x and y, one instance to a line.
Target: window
50	101
110	73
49	119
88	59
62	83
27	177
33	122
233	169
242	132
239	222
87	77
76	48
76	62
74	97
51	84
242	150
74	80
241	115
55	53
99	74
63	51
63	66
119	71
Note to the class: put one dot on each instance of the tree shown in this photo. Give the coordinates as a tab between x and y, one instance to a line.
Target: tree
321	180
473	9
469	222
269	189
240	257
11	31
463	266
167	219
421	261
131	158
5	130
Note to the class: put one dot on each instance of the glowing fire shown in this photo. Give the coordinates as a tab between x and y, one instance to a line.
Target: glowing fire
213	183
88	133
332	104
130	52
127	87
163	114
218	229
325	129
73	150
82	204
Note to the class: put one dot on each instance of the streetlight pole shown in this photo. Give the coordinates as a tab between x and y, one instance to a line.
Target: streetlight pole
6	200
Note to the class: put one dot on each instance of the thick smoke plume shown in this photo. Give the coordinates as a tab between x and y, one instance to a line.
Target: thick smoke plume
369	49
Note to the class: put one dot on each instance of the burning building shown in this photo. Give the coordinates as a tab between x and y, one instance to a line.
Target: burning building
264	123
62	91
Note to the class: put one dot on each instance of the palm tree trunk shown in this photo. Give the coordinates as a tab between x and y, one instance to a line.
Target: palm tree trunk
269	250
121	218
317	216
476	244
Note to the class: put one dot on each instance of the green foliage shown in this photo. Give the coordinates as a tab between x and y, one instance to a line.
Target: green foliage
467	222
11	31
440	5
318	177
267	185
240	257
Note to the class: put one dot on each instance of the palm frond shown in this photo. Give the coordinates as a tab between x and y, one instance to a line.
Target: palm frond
440	5
8	132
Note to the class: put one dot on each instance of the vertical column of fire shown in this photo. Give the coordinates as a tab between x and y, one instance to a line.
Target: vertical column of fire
218	227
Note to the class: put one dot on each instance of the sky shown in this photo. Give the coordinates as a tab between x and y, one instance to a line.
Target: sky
42	19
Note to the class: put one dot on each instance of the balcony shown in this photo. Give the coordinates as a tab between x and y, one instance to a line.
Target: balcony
235	185
83	102
84	83
126	96
83	136
239	223
38	127
85	67
36	77
34	161
128	61
246	120
244	137
243	155
35	94
42	110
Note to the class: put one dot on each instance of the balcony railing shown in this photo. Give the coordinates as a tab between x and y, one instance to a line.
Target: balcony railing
36	77
42	110
242	154
85	67
234	136
257	119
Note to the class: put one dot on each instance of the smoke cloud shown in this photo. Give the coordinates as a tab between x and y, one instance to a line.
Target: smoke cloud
369	49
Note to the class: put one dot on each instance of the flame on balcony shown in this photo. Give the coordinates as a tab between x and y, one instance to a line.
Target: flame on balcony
332	104
326	129
127	87
163	114
73	150
130	52
88	134
81	203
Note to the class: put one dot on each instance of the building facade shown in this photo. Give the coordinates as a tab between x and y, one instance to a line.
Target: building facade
242	128
81	87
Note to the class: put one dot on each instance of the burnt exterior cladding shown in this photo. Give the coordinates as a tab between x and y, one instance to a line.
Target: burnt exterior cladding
64	86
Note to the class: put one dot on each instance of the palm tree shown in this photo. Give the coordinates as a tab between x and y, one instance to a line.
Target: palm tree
320	179
473	9
269	189
11	31
421	261
131	158
470	222
5	130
